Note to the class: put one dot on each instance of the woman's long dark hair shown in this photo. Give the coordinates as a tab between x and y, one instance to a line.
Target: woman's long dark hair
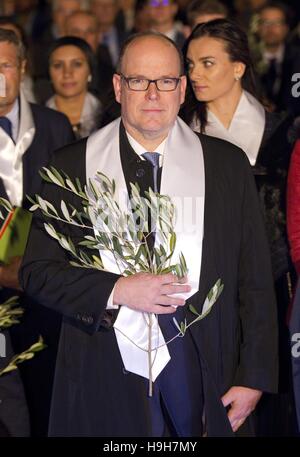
236	45
78	43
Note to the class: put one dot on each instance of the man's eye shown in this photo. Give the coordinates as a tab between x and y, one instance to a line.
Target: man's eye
137	81
7	66
207	63
167	81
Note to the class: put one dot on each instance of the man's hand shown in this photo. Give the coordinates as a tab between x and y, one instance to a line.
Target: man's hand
150	293
9	274
242	401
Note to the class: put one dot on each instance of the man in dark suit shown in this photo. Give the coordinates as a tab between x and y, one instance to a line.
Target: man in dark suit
281	58
28	135
84	24
217	372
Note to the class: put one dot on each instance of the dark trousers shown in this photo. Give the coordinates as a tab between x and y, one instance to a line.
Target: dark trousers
177	402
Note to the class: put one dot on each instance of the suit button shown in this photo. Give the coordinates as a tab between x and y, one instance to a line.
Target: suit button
87	320
140	172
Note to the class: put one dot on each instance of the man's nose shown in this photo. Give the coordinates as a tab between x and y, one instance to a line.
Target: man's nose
152	91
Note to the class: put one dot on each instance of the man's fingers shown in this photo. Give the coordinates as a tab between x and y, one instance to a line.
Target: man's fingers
169	278
169	289
170	301
237	423
164	309
227	399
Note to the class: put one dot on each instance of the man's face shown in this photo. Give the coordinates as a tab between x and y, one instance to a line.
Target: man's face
11	71
64	10
85	27
272	27
149	114
207	17
161	11
105	11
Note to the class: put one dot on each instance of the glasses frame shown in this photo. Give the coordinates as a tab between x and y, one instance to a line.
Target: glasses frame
149	81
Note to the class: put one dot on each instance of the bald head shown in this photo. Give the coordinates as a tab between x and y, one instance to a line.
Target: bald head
84	24
147	38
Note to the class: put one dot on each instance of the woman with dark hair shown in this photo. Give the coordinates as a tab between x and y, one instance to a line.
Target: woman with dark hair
71	63
221	102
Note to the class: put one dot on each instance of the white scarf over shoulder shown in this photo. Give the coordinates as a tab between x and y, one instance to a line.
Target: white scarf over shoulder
184	181
11	154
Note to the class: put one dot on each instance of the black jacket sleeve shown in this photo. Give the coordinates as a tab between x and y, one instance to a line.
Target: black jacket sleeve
79	294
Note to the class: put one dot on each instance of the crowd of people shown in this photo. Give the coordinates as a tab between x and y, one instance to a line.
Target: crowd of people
209	90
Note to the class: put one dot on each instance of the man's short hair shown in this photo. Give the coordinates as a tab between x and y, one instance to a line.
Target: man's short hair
86	13
82	3
8	36
201	7
137	36
285	10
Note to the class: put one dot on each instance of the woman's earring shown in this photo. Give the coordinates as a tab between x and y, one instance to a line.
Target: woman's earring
89	80
237	78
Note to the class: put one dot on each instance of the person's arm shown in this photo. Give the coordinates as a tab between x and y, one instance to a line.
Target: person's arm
293	206
258	365
81	294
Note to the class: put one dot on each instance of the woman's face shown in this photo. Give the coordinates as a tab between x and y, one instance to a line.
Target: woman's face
69	71
211	72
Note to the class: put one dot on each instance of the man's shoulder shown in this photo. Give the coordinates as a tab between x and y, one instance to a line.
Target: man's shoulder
44	114
216	150
71	155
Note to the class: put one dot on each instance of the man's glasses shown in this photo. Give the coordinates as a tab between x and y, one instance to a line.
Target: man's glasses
157	3
142	84
269	23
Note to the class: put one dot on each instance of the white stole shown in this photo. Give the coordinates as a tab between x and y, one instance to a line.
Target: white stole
11	167
183	180
246	129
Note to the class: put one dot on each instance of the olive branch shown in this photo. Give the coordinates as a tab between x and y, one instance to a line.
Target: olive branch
125	234
10	313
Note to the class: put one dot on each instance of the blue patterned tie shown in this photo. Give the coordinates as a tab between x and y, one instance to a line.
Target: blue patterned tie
5	124
153	158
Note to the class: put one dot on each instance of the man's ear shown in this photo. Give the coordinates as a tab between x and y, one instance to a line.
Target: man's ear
117	83
23	68
183	84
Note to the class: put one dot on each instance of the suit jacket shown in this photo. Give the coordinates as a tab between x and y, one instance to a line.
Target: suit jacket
52	131
283	97
93	394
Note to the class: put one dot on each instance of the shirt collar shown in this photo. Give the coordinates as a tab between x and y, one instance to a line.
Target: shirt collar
278	55
139	149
